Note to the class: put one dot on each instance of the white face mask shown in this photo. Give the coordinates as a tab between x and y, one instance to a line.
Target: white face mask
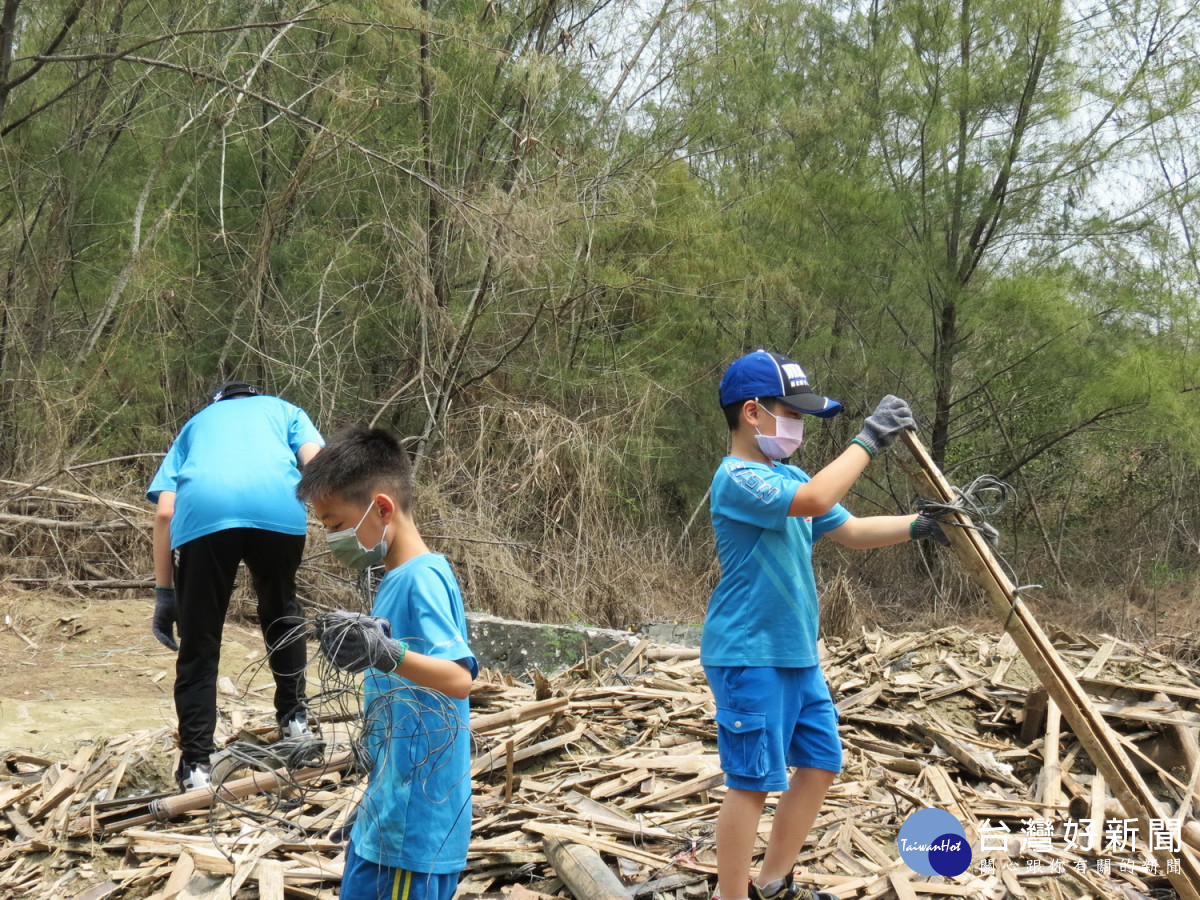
346	548
789	435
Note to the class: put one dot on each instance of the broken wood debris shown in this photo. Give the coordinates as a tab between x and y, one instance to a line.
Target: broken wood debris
619	768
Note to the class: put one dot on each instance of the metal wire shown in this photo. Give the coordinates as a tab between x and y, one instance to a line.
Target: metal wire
425	718
983	499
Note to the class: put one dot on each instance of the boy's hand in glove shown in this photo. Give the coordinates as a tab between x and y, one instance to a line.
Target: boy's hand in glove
166	614
926	527
354	642
883	426
927	524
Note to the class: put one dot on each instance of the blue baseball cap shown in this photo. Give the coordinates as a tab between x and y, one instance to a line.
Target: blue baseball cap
766	374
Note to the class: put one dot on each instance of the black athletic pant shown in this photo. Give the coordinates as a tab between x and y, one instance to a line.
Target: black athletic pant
204	576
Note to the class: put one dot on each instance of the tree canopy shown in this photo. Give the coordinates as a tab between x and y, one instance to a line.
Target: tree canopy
529	236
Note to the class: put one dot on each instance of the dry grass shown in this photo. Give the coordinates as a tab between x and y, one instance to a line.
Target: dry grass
549	518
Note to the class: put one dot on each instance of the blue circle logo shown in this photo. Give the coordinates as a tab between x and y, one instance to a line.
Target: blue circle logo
933	842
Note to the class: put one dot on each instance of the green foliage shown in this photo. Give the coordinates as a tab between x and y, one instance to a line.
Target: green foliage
478	218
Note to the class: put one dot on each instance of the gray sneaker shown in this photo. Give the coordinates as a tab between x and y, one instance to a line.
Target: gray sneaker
296	727
193	777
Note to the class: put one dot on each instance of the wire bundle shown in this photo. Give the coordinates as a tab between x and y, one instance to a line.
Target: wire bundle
981	500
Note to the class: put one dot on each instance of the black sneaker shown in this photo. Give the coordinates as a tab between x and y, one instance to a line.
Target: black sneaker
790	891
193	776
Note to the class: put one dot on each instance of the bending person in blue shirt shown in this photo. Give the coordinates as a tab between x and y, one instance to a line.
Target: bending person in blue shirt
410	836
226	493
759	646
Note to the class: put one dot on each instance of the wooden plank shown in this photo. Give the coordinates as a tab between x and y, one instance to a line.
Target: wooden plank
1036	702
613	848
118	776
64	787
977	767
1152	715
269	874
1171	690
99	891
185	867
902	886
520	892
1099	660
1050	779
689	764
14	794
631	659
497	758
517	714
594	813
680	791
21	824
1089	727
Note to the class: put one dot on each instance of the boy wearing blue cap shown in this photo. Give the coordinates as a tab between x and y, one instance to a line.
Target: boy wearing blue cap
759	647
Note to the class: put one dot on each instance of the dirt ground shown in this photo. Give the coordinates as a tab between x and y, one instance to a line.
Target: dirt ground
75	669
79	668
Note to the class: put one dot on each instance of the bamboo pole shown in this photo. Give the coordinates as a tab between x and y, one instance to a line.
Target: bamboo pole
168	808
1050	782
1089	727
583	871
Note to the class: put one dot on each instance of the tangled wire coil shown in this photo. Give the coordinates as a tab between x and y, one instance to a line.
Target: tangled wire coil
981	500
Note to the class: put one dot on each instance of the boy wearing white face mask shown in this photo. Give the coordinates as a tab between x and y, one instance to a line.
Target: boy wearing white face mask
759	646
410	835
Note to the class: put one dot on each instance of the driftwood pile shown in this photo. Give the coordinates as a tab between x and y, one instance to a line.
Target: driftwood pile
604	783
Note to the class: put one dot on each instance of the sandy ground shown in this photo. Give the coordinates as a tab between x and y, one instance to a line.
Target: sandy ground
84	668
76	669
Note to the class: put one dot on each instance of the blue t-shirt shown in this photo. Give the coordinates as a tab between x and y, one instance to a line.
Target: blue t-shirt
763	611
233	465
416	811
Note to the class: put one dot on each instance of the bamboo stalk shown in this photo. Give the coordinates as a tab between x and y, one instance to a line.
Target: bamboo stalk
583	871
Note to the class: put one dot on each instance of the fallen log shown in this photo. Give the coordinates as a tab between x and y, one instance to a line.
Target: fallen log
583	871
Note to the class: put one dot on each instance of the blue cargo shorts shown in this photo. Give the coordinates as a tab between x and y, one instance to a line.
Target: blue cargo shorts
771	718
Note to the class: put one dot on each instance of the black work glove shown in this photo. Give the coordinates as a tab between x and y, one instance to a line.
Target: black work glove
354	642
883	426
926	527
928	524
166	614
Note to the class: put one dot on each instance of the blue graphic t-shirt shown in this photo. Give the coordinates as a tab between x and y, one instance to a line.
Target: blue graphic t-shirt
233	465
763	611
416	811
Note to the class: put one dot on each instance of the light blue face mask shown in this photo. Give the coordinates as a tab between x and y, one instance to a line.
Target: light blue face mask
347	549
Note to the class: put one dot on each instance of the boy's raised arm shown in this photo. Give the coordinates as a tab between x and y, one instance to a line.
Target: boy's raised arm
831	484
